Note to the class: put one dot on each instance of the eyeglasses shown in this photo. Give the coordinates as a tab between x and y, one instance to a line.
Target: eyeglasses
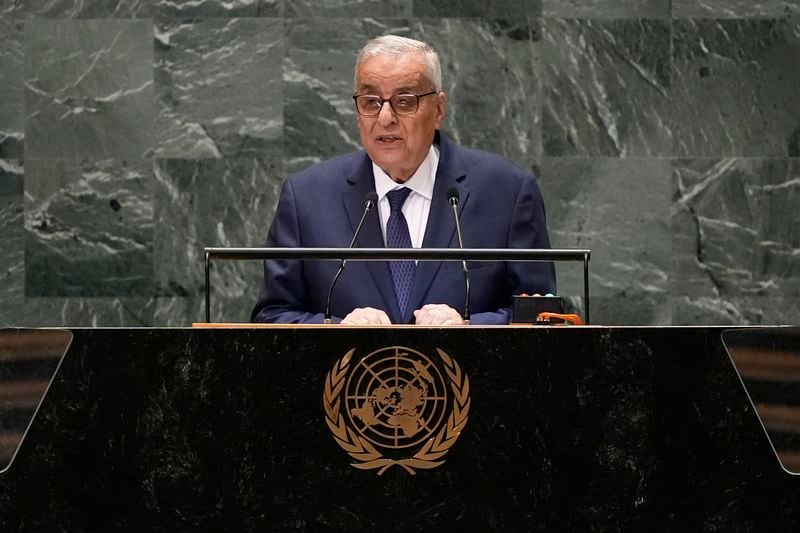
403	104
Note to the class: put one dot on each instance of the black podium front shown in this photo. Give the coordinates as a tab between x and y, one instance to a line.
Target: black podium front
536	428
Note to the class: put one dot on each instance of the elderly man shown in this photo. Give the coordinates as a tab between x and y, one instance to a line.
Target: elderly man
411	166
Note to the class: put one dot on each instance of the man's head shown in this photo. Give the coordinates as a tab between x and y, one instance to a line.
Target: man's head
397	138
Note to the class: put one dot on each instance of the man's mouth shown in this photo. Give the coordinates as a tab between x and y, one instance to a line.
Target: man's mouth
388	139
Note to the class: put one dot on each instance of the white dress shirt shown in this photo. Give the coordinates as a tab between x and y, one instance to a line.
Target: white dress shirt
418	204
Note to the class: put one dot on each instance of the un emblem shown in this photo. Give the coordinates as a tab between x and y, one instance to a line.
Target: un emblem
396	406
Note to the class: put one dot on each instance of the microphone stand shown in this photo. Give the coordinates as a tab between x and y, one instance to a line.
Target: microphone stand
369	203
453	198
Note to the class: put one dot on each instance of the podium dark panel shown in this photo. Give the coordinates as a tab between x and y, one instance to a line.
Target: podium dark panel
589	429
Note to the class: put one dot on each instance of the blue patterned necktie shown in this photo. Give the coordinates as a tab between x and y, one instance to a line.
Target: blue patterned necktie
397	236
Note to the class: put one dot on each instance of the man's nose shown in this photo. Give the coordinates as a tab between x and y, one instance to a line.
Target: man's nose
387	115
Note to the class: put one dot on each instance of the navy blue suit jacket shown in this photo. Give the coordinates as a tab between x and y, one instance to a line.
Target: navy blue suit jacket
500	207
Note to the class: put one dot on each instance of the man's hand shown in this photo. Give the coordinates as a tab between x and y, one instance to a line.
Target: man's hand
437	315
366	316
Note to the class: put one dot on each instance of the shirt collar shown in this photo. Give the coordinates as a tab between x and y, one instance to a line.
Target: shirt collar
421	182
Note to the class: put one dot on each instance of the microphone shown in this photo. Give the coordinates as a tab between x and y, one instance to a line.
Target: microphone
453	197
369	203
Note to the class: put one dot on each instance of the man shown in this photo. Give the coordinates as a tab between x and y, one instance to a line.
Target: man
411	166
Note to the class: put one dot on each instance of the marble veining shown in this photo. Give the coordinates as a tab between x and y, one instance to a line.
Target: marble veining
607	9
718	9
89	228
318	81
86	9
735	310
348	8
84	78
85	312
630	308
183	311
194	9
211	203
497	9
9	9
491	71
730	234
737	80
734	252
606	88
218	85
12	241
12	67
630	241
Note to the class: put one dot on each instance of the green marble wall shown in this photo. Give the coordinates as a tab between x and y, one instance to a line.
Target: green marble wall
666	137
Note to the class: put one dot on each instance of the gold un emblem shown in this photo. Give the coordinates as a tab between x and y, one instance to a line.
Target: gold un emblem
396	407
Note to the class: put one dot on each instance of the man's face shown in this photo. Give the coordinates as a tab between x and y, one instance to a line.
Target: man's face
398	143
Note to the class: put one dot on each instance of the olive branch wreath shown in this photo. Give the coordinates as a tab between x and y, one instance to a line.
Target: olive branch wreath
366	455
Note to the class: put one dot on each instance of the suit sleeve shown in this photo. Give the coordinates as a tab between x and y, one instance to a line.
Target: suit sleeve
284	295
527	229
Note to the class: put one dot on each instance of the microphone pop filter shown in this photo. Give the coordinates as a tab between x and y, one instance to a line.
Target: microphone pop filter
452	194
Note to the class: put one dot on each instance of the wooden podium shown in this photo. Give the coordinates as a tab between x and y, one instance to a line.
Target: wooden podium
273	428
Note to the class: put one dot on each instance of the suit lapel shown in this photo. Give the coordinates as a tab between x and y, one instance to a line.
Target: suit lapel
441	226
371	236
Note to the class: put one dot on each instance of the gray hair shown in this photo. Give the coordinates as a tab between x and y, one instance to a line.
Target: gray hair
397	46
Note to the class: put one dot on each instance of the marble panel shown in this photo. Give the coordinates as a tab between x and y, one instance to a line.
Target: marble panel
606	88
203	203
348	8
218	85
628	309
718	9
734	230
12	241
737	310
178	312
89	88
619	209
735	88
491	73
87	9
89	228
200	9
87	312
12	97
10	9
318	85
606	9
504	9
183	312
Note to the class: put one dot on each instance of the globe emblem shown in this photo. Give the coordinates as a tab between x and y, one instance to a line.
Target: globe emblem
395	397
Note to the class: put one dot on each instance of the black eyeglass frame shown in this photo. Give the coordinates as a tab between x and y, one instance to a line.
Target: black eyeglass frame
383	101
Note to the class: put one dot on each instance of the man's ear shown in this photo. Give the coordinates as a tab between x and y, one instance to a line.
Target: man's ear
441	104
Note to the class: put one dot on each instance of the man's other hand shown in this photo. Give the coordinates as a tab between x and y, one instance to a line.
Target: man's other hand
366	316
437	315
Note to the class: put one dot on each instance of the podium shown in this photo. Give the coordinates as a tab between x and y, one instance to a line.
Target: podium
551	428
